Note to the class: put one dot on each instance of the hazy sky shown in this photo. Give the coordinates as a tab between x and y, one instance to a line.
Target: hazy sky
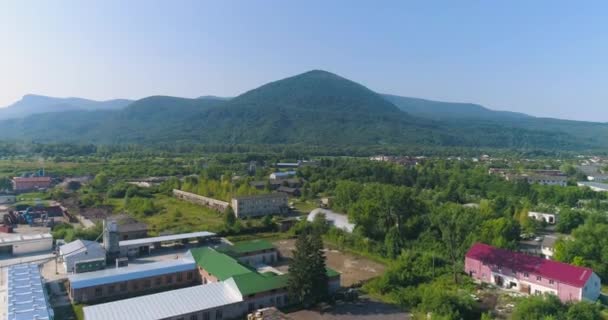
547	58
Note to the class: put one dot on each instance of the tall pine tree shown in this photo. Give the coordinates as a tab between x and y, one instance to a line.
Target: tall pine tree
307	282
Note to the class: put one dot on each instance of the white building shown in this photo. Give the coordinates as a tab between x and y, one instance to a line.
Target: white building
79	251
550	218
547	247
282	175
24	244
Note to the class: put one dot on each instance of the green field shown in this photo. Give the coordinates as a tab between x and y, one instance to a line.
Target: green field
180	216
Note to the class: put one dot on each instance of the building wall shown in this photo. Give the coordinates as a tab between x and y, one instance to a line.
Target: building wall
260	257
591	290
265	299
334	284
29	246
532	283
130	235
206	277
71	260
200	200
115	291
259	206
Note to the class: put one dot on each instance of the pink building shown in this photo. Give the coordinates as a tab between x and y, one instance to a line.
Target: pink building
530	274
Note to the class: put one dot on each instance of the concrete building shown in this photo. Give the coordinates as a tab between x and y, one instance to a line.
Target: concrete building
27	298
21	184
128	228
25	244
531	275
112	284
260	205
83	256
550	218
337	220
215	204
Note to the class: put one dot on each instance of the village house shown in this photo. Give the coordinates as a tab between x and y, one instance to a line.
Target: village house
260	205
530	274
550	218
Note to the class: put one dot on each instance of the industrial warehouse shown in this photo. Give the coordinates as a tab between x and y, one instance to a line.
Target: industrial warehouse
230	286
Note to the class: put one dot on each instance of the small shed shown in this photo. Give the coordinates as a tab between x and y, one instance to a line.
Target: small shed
83	256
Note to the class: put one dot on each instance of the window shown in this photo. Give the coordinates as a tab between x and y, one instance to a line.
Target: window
147	283
551	282
111	289
251	306
180	277
537	292
193	317
123	286
157	281
169	279
135	285
98	291
218	315
539	278
206	316
189	276
526	275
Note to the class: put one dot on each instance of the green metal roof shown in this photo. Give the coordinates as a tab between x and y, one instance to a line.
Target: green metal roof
218	264
252	283
331	272
251	246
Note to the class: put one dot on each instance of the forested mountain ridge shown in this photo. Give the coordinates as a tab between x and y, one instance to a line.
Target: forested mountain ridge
35	104
313	108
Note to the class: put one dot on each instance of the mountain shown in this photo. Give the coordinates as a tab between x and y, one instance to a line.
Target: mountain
313	108
34	104
449	110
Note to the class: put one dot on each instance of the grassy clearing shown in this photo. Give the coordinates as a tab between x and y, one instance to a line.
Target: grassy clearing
270	236
305	207
180	216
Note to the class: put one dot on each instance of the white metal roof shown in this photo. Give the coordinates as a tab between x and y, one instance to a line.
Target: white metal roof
25	238
338	220
173	237
93	249
166	304
26	298
131	272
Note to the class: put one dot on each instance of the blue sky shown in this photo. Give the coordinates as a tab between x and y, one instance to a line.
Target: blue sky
545	58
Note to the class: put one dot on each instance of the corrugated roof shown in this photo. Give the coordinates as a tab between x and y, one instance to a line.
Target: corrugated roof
173	237
25	237
26	298
166	304
88	279
253	282
218	264
519	262
75	247
331	272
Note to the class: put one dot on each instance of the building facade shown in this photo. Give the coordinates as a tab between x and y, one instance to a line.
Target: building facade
83	256
550	218
260	205
531	275
112	284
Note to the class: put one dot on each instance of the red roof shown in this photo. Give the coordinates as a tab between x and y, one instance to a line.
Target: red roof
519	262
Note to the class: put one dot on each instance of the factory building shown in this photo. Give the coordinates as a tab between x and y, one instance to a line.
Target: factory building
260	205
25	244
83	256
26	295
132	280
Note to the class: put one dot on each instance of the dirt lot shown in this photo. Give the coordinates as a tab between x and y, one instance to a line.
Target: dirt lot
354	269
361	310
